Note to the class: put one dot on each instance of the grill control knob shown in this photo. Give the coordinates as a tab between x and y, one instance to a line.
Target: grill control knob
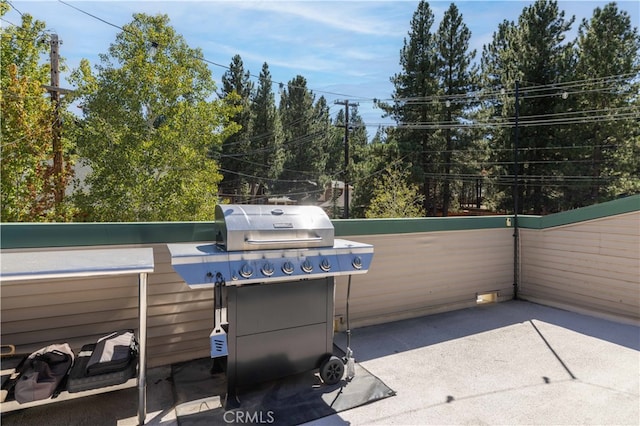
307	266
246	271
325	265
287	268
357	262
267	269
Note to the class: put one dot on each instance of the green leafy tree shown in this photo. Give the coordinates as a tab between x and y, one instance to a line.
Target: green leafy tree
28	120
608	65
393	196
148	126
376	156
237	89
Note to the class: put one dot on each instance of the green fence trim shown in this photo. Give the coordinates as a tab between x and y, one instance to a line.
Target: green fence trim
36	235
410	225
596	211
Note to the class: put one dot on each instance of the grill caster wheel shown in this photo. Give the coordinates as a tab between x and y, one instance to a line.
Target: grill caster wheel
332	370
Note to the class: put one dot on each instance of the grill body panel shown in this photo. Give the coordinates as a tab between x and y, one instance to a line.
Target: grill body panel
276	330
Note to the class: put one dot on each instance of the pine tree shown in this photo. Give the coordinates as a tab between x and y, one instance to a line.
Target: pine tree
237	89
322	127
535	53
267	154
303	154
335	151
498	71
413	88
608	65
456	79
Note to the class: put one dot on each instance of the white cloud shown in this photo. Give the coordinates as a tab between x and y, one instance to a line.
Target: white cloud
348	16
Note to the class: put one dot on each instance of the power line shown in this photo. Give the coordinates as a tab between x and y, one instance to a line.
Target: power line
265	135
267	178
14	8
568	117
332	176
522	149
528	91
94	16
9	22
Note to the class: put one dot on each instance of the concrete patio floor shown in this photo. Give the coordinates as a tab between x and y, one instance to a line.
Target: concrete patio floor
508	363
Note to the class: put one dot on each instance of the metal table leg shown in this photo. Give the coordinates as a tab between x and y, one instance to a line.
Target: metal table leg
142	344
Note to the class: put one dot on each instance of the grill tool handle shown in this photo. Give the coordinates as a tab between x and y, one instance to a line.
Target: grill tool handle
283	240
217	299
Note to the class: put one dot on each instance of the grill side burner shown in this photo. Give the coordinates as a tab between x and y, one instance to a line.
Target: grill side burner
277	264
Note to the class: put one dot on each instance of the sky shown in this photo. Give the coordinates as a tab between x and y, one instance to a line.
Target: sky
346	50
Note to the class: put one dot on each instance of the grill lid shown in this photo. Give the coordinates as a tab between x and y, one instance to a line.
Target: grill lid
263	227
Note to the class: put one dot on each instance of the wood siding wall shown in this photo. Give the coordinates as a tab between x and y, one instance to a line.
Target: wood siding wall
592	266
411	275
424	273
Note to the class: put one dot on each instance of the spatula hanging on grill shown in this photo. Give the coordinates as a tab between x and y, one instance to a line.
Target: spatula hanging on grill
218	336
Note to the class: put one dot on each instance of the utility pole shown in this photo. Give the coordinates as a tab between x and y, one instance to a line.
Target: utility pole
516	188
346	104
58	175
56	128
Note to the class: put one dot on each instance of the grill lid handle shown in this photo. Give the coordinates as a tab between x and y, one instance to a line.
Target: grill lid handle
282	240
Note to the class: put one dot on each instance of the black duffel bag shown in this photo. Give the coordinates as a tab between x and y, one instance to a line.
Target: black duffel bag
113	352
42	374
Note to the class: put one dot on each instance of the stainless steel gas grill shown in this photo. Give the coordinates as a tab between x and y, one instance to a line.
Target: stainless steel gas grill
276	265
261	244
